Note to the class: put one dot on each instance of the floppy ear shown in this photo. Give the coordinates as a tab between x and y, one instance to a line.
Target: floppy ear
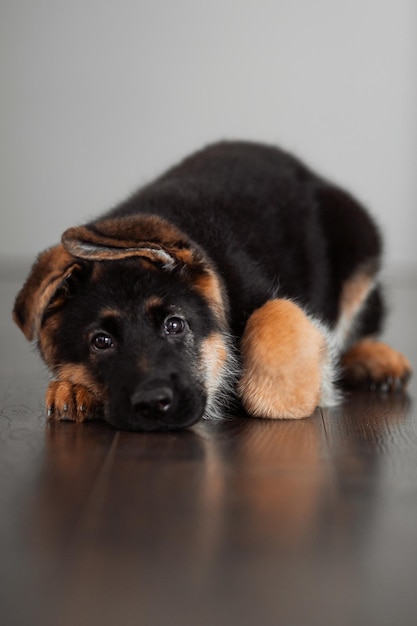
153	238
51	269
145	236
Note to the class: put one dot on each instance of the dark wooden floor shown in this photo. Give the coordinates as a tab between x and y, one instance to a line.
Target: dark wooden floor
241	522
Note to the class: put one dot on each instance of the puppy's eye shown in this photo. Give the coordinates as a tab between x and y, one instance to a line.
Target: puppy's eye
101	341
174	325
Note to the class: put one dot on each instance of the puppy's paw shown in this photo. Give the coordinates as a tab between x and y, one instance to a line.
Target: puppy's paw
374	365
287	366
72	402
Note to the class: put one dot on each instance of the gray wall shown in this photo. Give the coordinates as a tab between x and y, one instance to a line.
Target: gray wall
99	96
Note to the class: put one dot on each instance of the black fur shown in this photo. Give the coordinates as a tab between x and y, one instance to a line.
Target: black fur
146	362
254	217
268	223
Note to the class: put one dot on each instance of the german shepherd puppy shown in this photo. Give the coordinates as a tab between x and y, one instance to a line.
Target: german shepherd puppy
239	272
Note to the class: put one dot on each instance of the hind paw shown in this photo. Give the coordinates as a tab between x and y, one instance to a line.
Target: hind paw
66	401
374	365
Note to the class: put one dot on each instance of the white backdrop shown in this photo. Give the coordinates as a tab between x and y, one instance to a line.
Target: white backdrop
99	96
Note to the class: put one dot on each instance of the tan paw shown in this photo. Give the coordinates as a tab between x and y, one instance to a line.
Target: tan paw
375	365
286	365
73	402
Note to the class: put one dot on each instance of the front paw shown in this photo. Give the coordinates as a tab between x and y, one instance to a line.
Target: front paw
287	367
72	402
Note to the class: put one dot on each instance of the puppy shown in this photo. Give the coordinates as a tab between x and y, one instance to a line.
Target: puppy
237	273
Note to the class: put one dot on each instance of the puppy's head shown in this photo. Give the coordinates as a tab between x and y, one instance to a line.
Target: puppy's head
132	310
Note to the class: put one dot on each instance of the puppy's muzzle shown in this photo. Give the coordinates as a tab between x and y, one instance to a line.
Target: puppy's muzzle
160	403
154	402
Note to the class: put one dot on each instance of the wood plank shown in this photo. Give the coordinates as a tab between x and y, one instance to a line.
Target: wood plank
233	522
372	441
187	519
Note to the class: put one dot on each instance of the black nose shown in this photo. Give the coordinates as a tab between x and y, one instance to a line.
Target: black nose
153	402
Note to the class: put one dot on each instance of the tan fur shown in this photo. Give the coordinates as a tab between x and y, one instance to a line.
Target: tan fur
213	358
127	232
153	239
65	401
145	236
354	292
47	273
77	373
374	361
209	286
152	303
75	396
109	312
47	345
283	353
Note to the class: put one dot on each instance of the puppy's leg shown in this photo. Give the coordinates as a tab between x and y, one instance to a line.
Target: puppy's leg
287	366
373	364
69	401
366	363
